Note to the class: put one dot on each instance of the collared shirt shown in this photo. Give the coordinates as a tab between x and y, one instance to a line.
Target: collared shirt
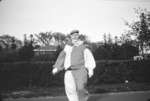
89	60
67	62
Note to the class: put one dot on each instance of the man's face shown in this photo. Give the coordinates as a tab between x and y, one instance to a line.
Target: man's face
74	38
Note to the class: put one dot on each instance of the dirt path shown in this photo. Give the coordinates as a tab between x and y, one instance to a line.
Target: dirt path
123	96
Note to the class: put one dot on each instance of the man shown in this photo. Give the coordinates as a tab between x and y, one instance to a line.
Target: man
79	63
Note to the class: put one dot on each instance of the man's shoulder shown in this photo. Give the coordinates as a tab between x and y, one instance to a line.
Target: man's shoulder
83	46
86	47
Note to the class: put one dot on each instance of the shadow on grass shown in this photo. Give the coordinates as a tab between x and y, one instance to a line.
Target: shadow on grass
60	91
148	100
0	97
94	98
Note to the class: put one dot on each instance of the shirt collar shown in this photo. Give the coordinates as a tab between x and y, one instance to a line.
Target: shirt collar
78	43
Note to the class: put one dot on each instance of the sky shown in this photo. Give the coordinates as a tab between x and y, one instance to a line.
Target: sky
91	17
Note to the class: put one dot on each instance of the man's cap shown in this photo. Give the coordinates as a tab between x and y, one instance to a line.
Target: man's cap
74	31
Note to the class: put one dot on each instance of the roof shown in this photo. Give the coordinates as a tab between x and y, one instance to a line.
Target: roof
46	48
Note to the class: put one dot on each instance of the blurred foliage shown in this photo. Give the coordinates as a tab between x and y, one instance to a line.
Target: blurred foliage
122	48
26	52
114	51
19	75
49	38
141	28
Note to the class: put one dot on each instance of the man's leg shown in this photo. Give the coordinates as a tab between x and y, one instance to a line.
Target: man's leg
81	83
70	86
82	93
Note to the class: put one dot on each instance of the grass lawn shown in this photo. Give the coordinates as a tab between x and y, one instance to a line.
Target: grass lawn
59	91
119	96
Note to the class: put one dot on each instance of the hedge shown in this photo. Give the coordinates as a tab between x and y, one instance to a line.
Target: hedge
38	74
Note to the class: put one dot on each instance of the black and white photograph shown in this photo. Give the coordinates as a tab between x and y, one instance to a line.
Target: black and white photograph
74	50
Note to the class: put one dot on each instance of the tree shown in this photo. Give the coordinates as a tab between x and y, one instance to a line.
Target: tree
59	37
128	51
49	38
10	42
122	48
104	50
26	52
13	45
43	38
140	29
125	38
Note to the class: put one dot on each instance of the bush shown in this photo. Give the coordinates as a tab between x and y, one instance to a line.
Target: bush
9	56
115	52
119	71
26	52
38	74
27	74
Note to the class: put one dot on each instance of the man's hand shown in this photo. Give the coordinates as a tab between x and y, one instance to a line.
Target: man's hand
90	73
54	71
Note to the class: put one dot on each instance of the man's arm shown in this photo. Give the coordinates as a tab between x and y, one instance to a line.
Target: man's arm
89	62
59	64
